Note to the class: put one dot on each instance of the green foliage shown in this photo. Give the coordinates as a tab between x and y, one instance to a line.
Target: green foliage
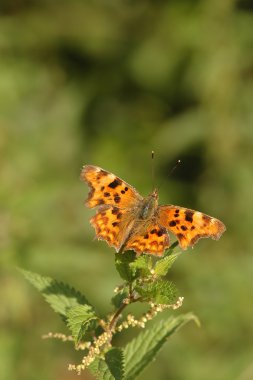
162	266
114	358
118	299
160	292
143	349
142	265
79	320
61	297
122	263
111	368
171	248
144	283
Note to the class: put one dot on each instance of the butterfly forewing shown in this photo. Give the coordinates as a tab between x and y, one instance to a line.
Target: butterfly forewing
106	188
189	225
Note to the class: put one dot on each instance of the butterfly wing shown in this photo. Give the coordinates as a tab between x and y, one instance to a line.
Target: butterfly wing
116	201
106	188
152	239
112	225
189	225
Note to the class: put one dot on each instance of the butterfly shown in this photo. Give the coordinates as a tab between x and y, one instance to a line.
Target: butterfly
128	221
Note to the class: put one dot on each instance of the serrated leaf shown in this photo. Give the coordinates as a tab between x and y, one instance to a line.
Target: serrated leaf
100	370
163	265
171	249
122	263
115	360
160	292
112	368
117	300
61	297
143	349
79	319
141	264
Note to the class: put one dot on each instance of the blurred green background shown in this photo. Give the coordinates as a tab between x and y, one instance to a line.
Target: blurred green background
105	82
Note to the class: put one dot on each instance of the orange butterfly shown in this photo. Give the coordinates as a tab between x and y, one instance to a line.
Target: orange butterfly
126	220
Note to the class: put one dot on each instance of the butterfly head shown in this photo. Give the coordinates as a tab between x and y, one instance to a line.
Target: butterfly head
154	195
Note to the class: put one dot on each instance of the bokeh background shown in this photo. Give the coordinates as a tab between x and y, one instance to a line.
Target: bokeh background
105	82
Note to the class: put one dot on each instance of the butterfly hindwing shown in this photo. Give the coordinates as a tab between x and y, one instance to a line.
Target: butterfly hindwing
108	225
153	239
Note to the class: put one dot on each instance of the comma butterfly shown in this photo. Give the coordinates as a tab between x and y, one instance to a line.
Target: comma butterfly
126	220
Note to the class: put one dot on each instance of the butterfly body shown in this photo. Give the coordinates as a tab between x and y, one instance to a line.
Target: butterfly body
126	220
148	206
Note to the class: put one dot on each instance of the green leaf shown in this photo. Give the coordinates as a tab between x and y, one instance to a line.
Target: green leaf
171	249
61	297
143	349
100	370
162	266
112	368
141	264
79	319
160	292
122	263
117	300
115	361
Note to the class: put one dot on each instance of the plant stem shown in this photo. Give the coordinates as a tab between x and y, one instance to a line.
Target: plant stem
123	306
116	315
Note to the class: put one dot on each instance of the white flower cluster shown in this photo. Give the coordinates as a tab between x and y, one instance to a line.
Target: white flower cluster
95	349
154	310
62	337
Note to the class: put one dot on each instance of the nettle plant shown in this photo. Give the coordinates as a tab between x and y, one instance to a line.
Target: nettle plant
144	281
135	226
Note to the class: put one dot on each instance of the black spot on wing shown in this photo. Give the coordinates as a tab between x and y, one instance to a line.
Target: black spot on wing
160	232
115	183
189	216
176	215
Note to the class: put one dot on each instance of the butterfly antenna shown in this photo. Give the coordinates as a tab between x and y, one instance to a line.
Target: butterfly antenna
172	171
174	168
153	169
